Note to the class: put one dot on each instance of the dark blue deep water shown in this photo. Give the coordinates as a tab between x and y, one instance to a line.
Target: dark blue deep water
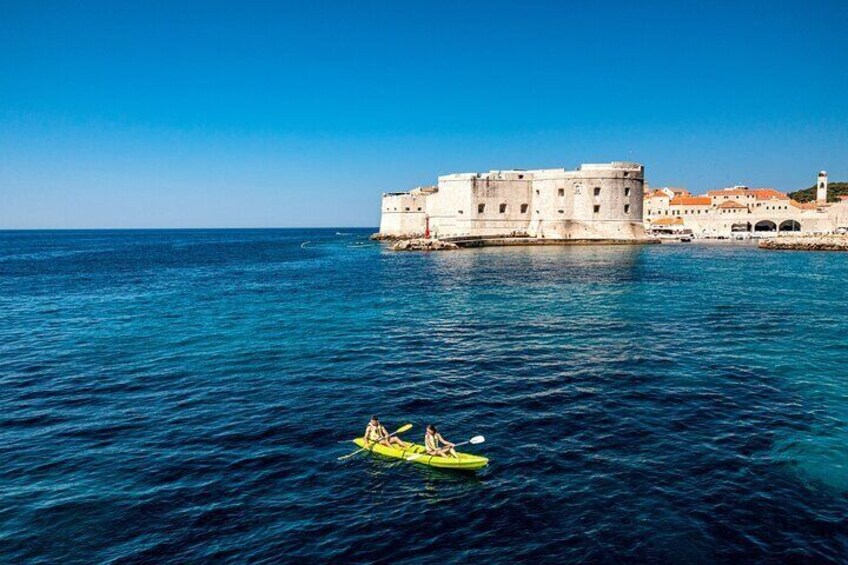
182	396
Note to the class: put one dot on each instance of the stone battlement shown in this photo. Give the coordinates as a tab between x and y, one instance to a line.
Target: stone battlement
592	202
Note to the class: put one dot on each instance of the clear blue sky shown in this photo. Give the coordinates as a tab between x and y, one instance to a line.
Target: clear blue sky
219	114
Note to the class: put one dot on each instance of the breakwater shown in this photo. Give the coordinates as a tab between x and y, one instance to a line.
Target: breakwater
833	242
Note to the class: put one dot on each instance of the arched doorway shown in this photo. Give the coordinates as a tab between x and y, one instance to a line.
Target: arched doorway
790	225
765	225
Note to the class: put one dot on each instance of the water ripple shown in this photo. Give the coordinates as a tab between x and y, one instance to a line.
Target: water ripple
181	397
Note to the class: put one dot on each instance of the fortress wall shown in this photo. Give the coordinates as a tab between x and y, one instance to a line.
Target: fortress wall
594	202
450	206
489	196
548	203
403	214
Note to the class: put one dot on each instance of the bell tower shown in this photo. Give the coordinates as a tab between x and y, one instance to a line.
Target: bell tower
821	188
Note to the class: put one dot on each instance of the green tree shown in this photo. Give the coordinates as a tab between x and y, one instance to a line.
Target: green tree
834	191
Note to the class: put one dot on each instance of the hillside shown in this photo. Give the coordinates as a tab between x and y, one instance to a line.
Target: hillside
834	191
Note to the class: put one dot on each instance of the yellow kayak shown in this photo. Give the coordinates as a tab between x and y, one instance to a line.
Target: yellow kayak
465	462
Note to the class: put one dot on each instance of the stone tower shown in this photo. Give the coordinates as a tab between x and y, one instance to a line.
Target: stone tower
821	188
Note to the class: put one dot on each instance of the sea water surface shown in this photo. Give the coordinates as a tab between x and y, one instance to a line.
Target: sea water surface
183	396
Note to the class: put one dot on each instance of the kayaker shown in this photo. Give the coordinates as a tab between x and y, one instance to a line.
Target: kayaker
435	444
375	432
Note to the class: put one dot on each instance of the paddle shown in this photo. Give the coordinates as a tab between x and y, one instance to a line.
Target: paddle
400	430
474	441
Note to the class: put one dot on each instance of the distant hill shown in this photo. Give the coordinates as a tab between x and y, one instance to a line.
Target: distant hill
834	191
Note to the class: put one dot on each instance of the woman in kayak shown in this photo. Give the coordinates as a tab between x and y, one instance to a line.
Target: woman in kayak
375	432
435	444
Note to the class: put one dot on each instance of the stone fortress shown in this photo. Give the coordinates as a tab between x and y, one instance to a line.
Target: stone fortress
594	203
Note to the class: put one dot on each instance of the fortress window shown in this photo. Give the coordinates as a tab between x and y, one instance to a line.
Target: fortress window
597	191
626	173
561	211
627	191
524	208
597	206
537	191
419	208
627	208
502	209
460	211
407	208
520	176
561	192
481	208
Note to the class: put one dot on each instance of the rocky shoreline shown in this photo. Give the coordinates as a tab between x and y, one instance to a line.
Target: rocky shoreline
432	244
386	237
807	243
421	244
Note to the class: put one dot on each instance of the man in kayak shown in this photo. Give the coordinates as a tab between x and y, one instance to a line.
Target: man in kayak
435	444
375	432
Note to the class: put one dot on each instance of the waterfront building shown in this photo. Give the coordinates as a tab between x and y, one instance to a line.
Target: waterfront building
593	202
740	210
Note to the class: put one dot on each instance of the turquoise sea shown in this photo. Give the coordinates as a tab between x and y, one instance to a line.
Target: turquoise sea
183	397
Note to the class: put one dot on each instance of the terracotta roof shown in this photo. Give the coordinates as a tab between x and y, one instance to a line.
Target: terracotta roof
768	194
691	201
803	205
657	194
729	192
667	222
731	204
843	197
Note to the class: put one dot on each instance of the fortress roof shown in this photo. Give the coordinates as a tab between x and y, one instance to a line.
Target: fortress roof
547	174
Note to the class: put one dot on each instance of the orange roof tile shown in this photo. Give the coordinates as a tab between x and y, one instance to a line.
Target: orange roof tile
803	205
731	204
667	222
657	194
768	194
729	192
691	201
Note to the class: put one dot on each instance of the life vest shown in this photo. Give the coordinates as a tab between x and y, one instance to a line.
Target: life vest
375	433
431	441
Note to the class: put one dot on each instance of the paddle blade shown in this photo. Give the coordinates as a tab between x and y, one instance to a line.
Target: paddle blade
349	455
477	439
404	428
